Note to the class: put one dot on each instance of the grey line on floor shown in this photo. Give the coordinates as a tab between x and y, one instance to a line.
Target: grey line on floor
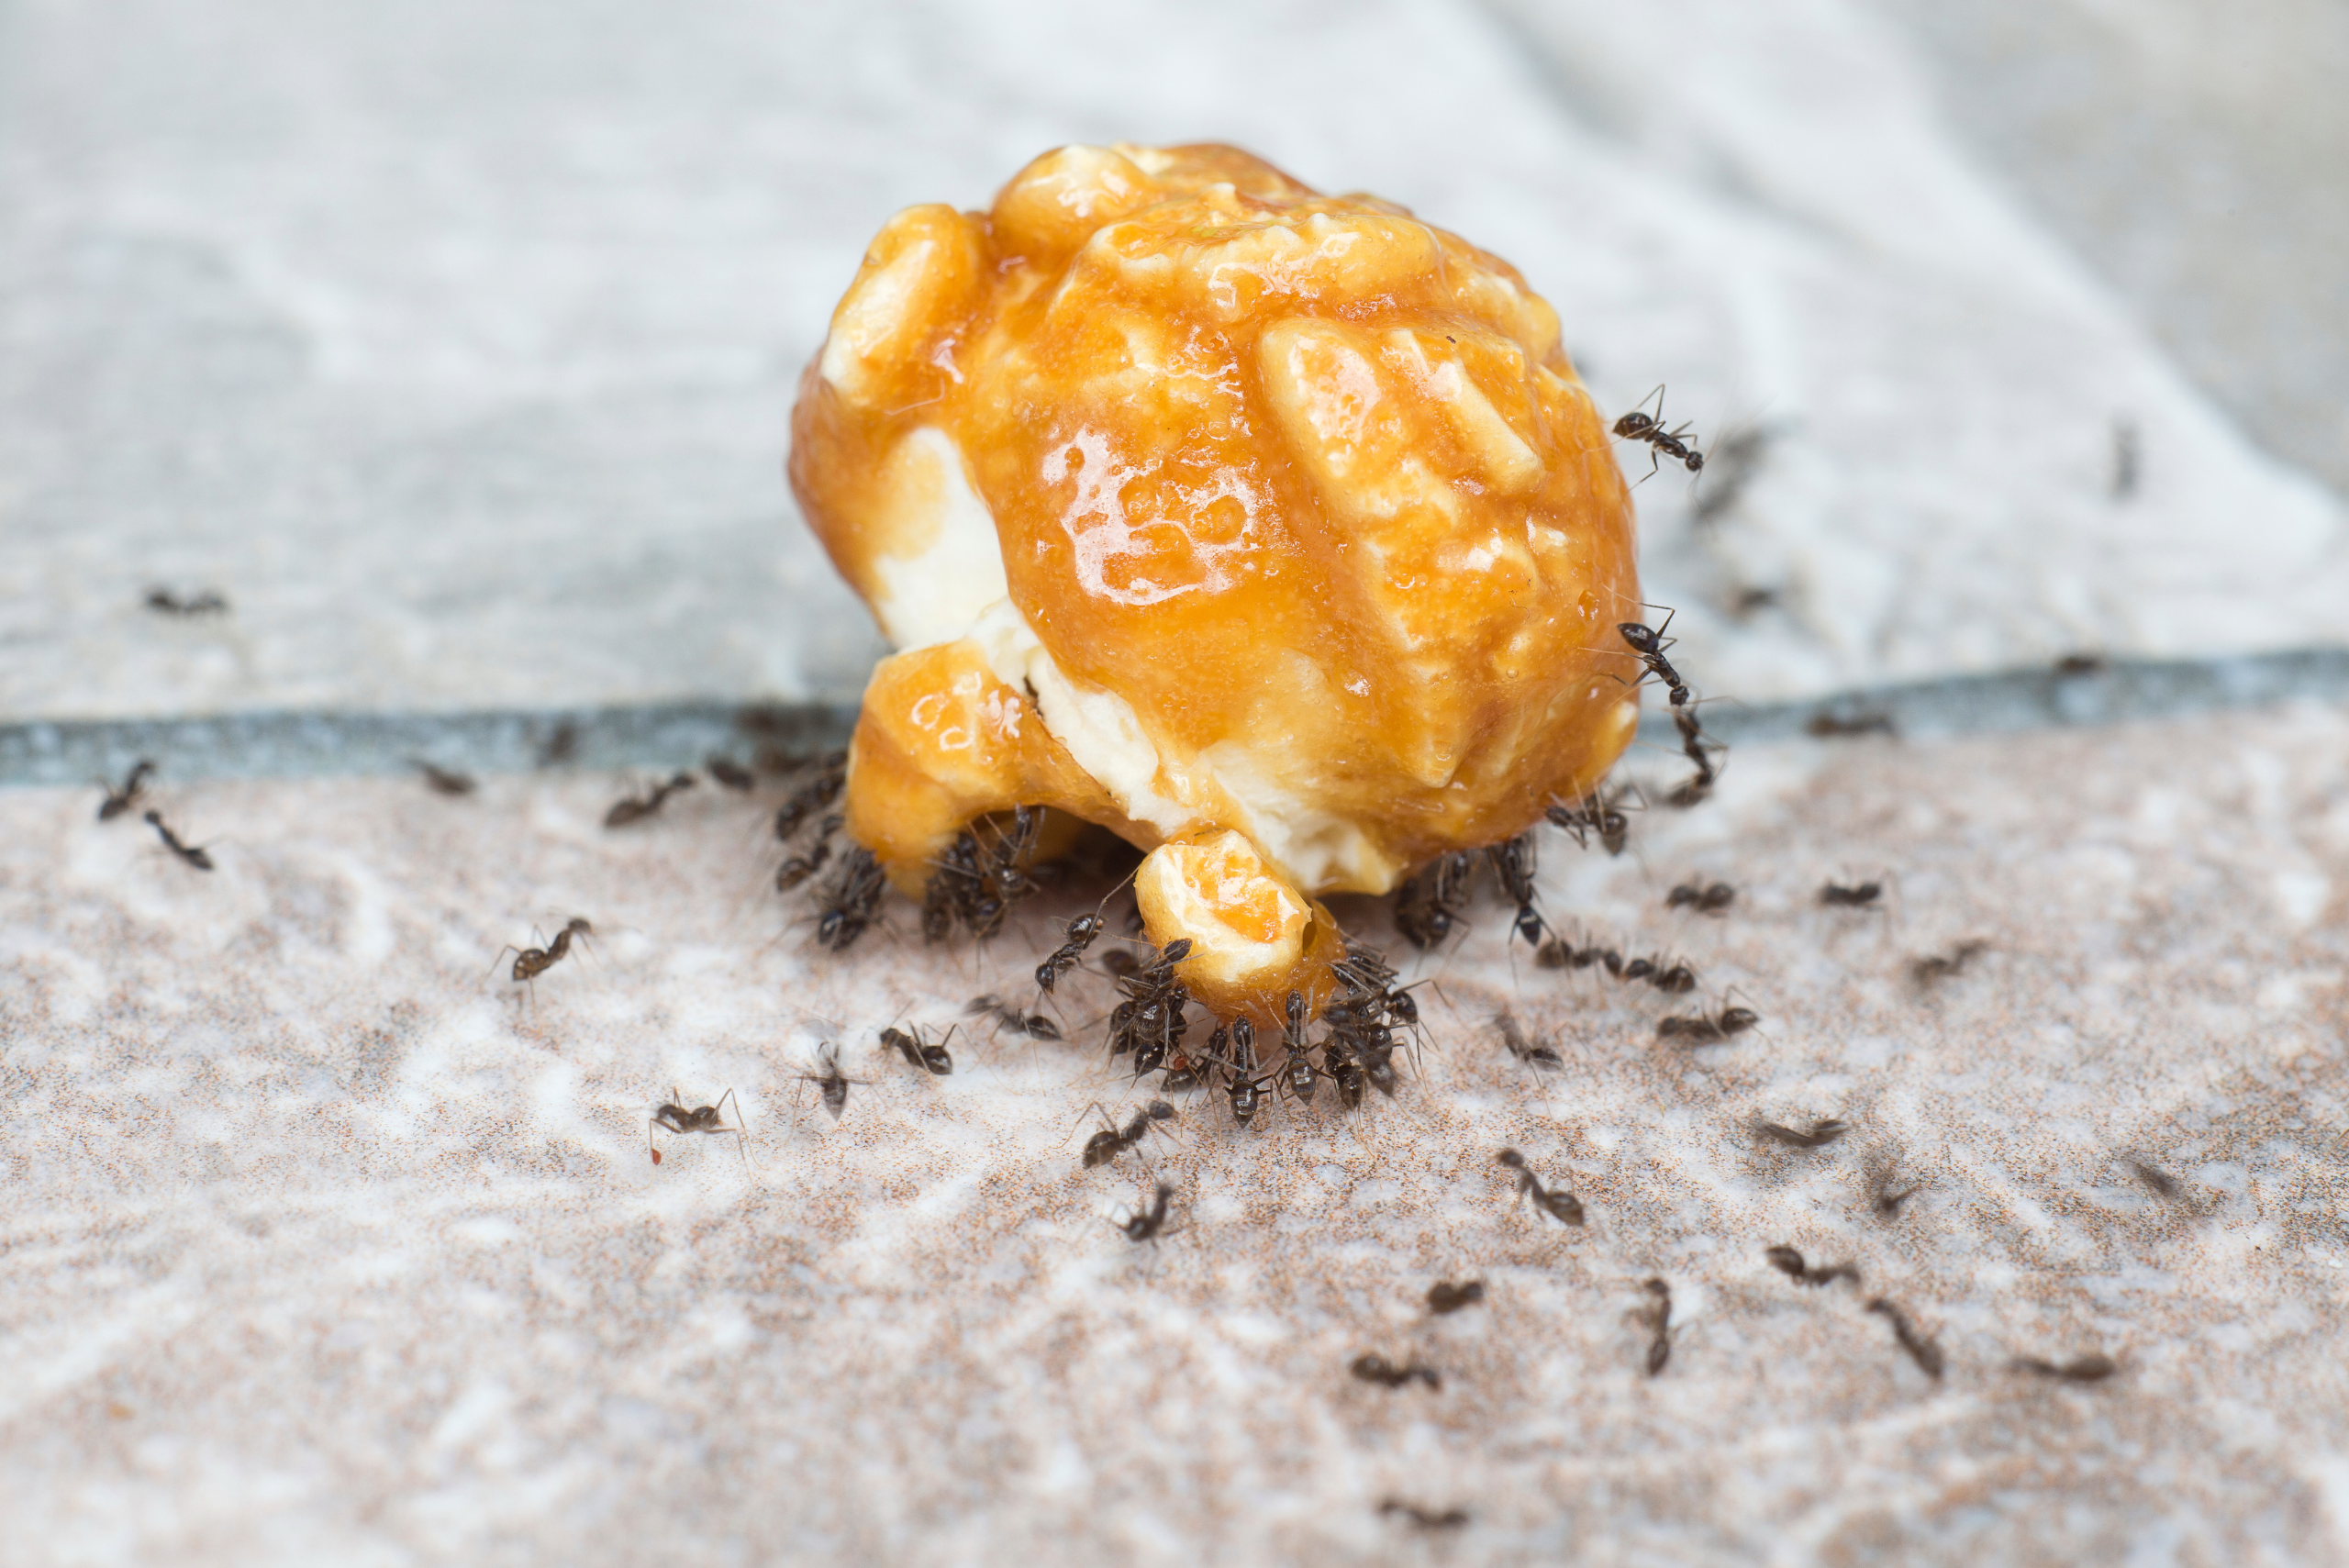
310	745
672	735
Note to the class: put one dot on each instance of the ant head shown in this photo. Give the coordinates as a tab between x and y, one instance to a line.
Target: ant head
1661	632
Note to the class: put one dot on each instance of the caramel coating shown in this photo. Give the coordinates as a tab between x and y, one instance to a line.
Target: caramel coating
1202	505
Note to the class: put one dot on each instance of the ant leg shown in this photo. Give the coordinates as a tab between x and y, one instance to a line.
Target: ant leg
740	1129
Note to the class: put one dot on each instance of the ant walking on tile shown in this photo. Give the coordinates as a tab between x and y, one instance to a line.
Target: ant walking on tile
674	1116
1148	1224
635	808
531	962
134	785
1556	1202
831	1085
1113	1140
194	855
918	1049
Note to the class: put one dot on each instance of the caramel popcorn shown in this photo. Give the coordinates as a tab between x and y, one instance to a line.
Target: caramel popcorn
1271	531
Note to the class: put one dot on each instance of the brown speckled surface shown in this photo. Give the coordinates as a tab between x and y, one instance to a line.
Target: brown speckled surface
320	1245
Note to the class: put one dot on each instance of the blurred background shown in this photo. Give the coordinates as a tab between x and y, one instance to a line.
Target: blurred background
454	344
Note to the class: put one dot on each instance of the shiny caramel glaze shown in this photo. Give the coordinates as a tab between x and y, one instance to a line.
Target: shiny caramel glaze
1309	530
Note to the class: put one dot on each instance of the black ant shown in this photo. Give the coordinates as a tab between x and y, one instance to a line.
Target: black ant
1444	1297
1593	814
1427	903
1118	964
1650	643
1513	864
1146	1225
1667	976
1151	1021
531	962
730	773
1364	970
1110	1142
1246	1090
677	1118
1699	751
1789	1262
637	808
1943	966
851	899
1247	1097
1640	425
1007	1016
441	781
1297	1068
1555	1202
1820	1135
2080	1369
1426	1518
1007	868
1541	1058
919	1050
1377	1369
1559	953
829	1085
1350	1075
1080	932
1835	896
134	785
977	886
1705	900
818	793
1658	1316
1846	727
207	603
1703	1028
798	869
1922	1349
193	855
1889	1194
561	745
